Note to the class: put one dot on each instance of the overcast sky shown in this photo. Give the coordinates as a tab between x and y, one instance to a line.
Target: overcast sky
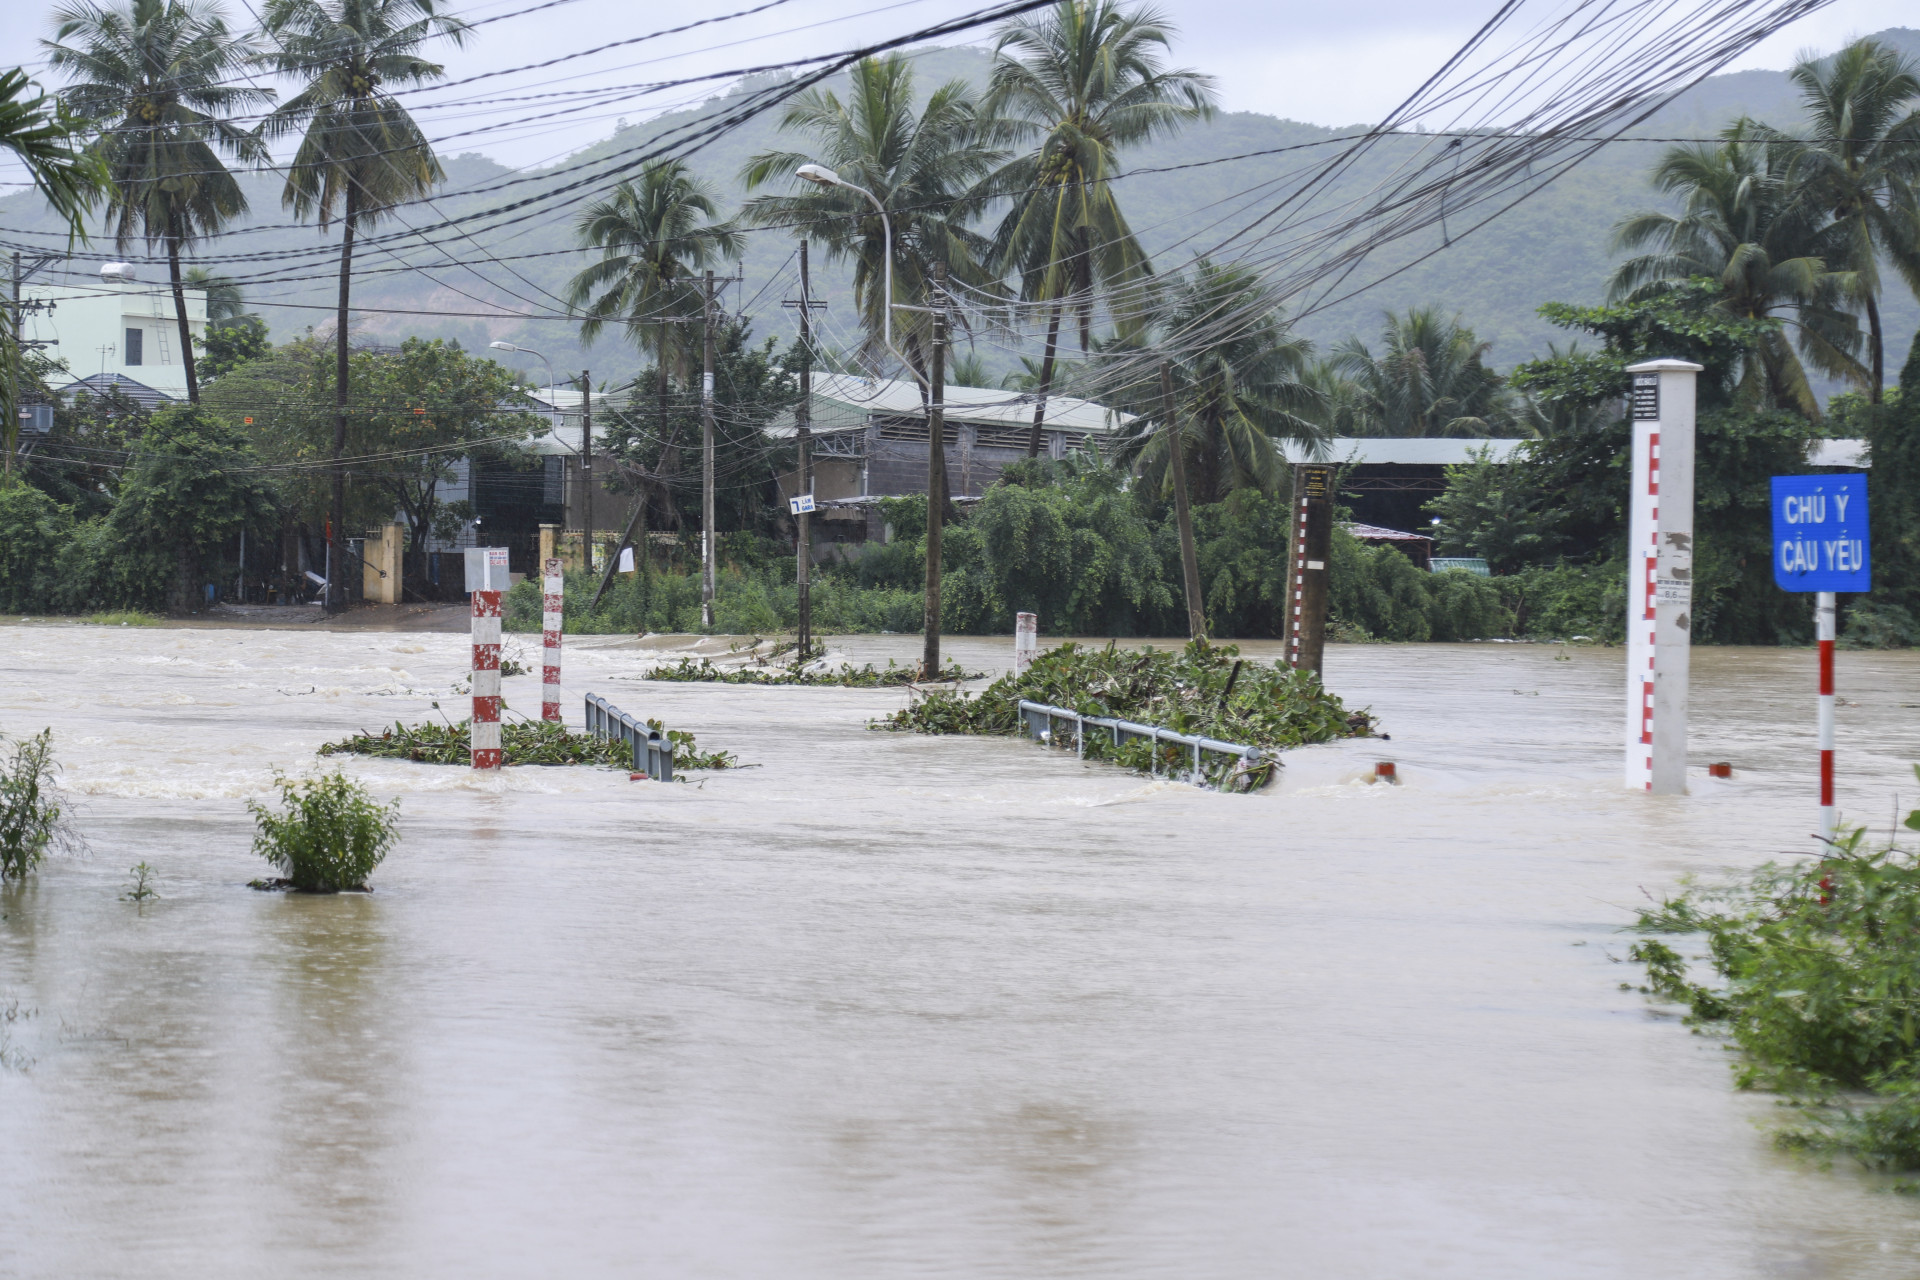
1326	63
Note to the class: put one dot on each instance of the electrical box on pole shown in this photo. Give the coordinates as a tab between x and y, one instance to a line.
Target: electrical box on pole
1660	575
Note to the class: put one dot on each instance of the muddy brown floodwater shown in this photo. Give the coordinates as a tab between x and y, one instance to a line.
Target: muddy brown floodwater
902	1006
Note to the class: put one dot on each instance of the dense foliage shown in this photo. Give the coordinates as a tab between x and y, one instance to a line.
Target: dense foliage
531	742
328	834
1201	689
1817	980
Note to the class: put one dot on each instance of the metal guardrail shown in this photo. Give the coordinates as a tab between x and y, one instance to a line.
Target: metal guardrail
652	749
1038	719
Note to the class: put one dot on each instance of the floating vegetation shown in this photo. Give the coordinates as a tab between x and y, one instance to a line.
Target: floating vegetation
533	742
122	618
1203	689
1817	979
795	672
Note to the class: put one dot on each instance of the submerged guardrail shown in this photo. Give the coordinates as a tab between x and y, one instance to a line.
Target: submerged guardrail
652	749
1038	719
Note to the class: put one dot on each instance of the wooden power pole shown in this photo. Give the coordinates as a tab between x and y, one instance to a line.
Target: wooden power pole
936	470
586	467
706	461
803	432
1311	545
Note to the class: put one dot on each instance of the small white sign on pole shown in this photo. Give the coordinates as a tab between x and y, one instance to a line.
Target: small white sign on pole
486	569
801	504
1660	575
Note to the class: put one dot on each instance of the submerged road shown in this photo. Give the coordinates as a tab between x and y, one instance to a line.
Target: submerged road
897	1006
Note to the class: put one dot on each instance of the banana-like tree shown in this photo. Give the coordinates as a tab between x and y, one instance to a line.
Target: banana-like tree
360	152
1429	379
654	235
1739	225
1858	163
1239	382
927	166
1079	82
159	78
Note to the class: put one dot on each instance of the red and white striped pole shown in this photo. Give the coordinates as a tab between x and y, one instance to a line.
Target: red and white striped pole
1823	630
552	622
484	728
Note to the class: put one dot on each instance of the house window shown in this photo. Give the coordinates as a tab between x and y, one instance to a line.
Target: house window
134	337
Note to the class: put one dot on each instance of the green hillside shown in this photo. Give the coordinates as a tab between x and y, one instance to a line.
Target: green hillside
1552	247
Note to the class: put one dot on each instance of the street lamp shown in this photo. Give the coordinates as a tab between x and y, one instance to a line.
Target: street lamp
552	403
820	175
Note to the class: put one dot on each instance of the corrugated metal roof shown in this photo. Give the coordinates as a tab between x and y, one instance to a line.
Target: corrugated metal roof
843	402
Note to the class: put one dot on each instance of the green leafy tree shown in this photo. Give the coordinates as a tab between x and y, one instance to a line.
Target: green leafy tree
192	486
360	154
752	384
1739	226
925	166
1239	382
1484	513
235	336
1429	379
1857	164
1079	82
160	76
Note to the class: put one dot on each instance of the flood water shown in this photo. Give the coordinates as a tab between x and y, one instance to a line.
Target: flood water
891	1005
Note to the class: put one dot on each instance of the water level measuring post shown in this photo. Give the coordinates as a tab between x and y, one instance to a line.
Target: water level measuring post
1026	640
1820	545
553	584
1660	575
1311	547
486	584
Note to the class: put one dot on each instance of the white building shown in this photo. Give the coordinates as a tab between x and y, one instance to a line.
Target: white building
114	326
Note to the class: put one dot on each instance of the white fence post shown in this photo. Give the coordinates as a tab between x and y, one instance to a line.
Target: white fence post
552	623
1660	575
1026	640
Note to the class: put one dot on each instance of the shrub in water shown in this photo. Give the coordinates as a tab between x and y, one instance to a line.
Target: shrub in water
30	818
1819	985
330	835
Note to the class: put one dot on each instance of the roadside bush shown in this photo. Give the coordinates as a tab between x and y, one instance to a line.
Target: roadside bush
1818	968
329	835
31	819
1559	601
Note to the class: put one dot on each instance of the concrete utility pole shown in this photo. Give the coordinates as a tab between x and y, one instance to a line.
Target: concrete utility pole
803	432
706	461
1311	546
1182	516
936	470
586	467
1660	575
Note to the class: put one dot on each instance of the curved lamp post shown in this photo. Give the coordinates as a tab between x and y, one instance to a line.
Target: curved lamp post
820	175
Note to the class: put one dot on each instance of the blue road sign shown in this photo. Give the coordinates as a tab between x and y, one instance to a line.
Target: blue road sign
1820	533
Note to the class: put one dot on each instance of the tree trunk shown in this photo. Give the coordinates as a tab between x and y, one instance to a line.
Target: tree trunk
337	518
180	310
1046	380
1876	391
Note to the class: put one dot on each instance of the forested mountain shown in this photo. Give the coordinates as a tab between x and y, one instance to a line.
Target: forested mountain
1554	246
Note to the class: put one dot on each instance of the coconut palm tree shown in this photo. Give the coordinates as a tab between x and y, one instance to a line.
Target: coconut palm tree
360	153
654	235
157	76
42	134
1239	385
1739	226
1430	380
1084	79
926	167
1858	163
